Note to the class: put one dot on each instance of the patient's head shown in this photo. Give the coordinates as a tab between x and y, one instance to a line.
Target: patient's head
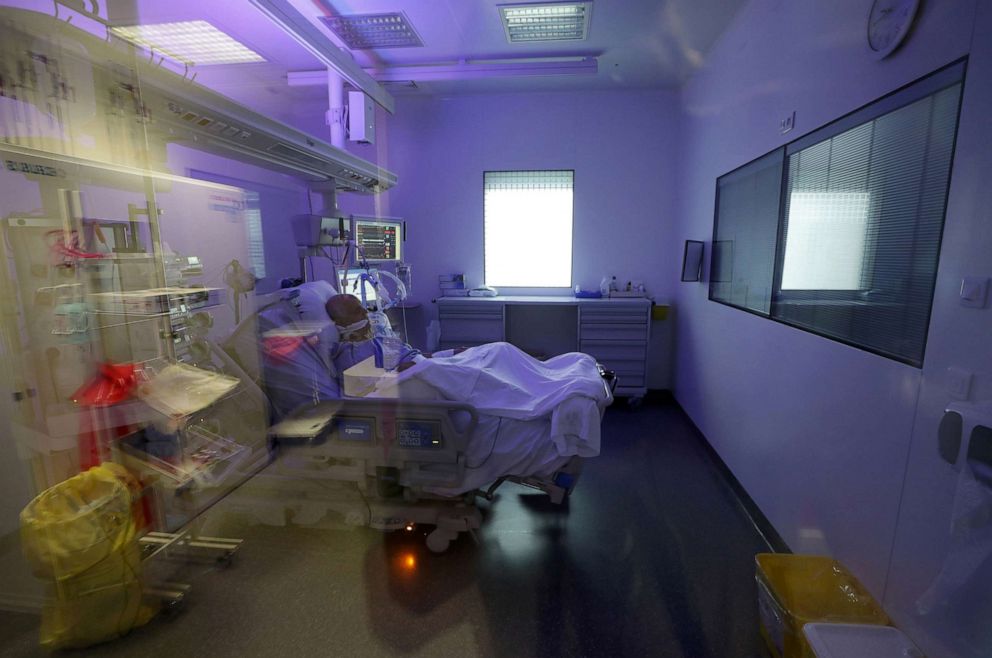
351	318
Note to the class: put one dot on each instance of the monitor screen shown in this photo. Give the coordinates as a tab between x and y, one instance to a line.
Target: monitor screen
380	240
353	285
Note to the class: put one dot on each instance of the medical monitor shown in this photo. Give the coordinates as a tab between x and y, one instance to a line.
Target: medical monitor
353	285
379	239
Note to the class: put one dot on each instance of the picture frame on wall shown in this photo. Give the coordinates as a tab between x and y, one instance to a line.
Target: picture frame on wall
692	260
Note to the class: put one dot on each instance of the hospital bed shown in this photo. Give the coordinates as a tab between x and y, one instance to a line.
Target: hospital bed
401	456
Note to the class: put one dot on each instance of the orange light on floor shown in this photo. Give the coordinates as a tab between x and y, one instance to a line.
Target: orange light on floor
409	561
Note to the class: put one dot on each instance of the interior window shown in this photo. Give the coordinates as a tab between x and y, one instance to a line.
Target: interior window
839	232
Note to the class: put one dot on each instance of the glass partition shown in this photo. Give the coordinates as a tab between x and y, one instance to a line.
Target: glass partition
118	290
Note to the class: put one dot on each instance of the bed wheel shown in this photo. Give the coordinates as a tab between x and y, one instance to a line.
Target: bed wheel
439	540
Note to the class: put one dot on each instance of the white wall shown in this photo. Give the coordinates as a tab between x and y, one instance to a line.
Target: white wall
820	433
289	198
927	552
620	144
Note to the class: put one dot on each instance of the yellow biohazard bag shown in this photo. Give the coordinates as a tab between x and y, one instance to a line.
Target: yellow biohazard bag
80	536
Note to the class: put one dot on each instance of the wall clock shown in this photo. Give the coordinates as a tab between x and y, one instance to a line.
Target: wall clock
889	22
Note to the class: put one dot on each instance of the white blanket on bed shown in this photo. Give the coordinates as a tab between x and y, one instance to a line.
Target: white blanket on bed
535	415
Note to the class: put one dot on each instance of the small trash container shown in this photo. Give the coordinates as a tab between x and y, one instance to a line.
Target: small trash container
80	536
794	590
858	641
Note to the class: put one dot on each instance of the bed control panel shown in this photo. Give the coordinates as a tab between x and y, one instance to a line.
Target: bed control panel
352	429
418	434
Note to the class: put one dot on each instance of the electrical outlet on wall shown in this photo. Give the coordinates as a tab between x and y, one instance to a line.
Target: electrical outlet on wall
974	291
788	123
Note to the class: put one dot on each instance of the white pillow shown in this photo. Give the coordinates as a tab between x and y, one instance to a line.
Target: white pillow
309	300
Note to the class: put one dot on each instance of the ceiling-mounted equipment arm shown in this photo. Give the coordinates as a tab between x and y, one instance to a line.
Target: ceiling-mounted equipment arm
173	109
296	25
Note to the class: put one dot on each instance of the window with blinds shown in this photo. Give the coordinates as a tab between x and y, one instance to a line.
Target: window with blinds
256	248
845	242
742	265
528	228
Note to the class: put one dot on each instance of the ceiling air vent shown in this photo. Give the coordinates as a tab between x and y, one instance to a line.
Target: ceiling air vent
558	21
372	31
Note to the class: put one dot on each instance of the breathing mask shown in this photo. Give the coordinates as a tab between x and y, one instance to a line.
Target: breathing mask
348	332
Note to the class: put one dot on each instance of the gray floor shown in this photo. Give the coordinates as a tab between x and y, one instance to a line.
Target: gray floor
652	555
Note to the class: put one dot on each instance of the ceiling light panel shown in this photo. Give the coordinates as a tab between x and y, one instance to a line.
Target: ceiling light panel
560	21
190	42
372	31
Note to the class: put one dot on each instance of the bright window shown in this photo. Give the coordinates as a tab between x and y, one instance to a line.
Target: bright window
528	228
825	244
256	248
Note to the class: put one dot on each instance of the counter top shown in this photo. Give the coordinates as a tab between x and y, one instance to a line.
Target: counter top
563	300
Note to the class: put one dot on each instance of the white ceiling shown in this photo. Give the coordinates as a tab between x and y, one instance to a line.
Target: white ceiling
639	44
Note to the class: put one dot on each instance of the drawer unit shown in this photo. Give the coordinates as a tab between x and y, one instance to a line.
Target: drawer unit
616	334
629	379
470	323
614	313
613	351
489	310
622	365
614	331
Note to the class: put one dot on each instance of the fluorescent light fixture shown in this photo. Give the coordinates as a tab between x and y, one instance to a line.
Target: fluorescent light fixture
558	21
370	31
190	42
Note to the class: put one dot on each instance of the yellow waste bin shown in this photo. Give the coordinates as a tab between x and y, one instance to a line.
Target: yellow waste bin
794	590
80	536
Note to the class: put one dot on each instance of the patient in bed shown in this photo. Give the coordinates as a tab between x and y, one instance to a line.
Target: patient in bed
357	340
533	415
